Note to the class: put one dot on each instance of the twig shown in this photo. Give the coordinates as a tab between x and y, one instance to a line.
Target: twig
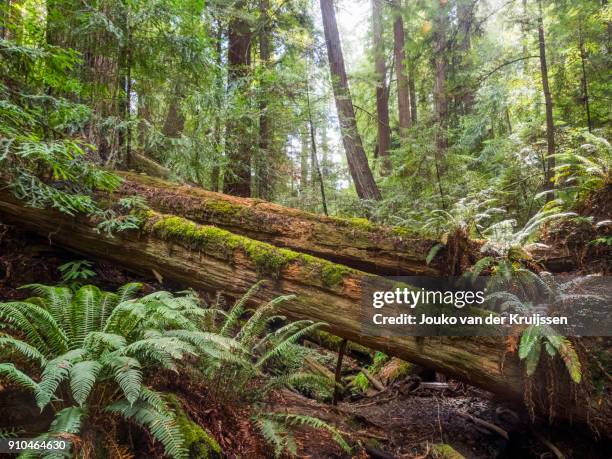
375	382
486	424
338	371
550	446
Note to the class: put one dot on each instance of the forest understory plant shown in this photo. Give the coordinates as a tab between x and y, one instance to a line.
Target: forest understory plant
88	355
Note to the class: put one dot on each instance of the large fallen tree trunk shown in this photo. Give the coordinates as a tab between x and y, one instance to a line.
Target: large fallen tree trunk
357	243
209	258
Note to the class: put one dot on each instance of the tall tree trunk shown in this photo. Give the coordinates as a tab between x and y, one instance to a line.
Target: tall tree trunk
237	177
550	125
357	160
382	99
175	120
403	86
5	6
304	159
413	97
215	173
315	167
264	164
440	69
585	84
465	18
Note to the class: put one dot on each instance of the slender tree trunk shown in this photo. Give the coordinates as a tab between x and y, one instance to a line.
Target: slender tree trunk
524	28
215	173
465	18
403	86
440	69
304	159
264	162
315	159
550	125
382	99
413	97
357	160
585	85
324	150
237	177
5	6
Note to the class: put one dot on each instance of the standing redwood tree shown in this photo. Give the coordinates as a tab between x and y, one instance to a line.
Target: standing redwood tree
382	94
550	125
263	164
440	70
237	177
357	160
403	85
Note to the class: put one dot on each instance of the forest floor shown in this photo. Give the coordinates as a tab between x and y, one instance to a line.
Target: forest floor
400	422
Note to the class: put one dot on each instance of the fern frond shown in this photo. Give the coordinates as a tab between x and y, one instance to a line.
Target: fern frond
10	372
54	372
23	348
161	425
127	374
127	291
285	343
82	379
238	309
257	322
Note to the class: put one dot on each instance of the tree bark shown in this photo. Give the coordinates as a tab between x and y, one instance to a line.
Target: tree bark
413	98
357	160
305	157
264	162
403	85
382	99
215	173
585	84
550	125
237	176
370	247
440	69
175	120
465	18
220	261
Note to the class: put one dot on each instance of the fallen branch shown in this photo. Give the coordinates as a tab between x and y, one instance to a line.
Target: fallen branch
486	424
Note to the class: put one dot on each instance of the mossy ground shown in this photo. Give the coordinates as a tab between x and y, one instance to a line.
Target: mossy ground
445	451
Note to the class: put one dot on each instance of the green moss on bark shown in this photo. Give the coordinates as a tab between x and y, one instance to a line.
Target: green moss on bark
199	443
268	259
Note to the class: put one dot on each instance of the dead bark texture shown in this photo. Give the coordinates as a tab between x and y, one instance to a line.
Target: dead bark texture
212	259
355	154
353	242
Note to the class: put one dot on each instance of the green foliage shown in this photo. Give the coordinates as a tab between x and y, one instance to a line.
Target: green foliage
529	288
77	270
530	347
94	348
275	359
274	428
40	160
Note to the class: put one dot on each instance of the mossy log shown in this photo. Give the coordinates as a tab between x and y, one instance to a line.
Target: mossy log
354	242
210	258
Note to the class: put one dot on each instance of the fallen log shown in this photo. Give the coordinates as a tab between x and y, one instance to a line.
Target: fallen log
356	242
210	258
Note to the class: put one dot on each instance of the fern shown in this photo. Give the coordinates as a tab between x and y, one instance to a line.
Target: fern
161	424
